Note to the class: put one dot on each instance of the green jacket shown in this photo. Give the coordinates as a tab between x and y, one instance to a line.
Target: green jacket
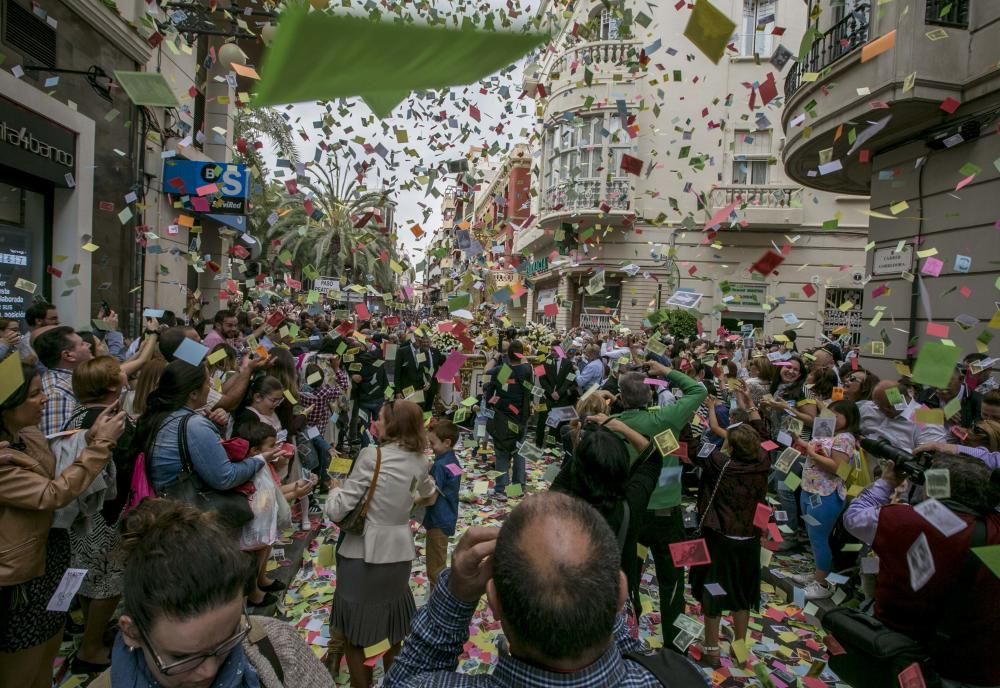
651	422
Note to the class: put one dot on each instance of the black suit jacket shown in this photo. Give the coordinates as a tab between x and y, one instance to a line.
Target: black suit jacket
410	373
558	382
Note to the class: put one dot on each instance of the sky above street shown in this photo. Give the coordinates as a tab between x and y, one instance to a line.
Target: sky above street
426	131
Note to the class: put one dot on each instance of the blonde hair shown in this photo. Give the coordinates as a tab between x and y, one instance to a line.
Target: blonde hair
148	380
94	379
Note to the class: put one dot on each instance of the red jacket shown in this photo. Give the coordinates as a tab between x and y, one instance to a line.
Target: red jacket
970	655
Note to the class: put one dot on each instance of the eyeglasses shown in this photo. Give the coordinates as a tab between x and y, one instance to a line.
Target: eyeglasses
855	378
191	663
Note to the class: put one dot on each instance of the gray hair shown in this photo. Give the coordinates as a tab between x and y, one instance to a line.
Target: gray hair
635	393
972	482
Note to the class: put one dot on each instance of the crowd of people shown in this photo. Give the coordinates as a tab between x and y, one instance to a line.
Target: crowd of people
117	456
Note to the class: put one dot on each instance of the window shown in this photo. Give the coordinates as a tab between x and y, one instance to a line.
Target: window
608	28
751	155
755	30
579	156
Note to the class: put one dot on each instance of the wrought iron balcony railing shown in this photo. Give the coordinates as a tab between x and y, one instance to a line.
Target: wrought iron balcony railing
844	37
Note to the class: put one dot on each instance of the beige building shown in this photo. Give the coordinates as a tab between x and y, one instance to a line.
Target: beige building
707	158
915	127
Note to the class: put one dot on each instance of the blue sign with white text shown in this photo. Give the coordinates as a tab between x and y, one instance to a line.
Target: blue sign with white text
208	187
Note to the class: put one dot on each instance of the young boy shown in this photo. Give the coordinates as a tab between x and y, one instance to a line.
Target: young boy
442	512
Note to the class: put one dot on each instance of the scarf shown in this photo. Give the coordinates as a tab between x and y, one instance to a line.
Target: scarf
129	669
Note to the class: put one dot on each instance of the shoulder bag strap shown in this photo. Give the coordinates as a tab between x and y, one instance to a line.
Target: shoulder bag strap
623	528
182	444
711	499
371	488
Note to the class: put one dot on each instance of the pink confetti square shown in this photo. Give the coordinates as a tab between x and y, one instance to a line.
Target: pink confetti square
932	266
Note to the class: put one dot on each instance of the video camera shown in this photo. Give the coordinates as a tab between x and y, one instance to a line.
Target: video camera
907	465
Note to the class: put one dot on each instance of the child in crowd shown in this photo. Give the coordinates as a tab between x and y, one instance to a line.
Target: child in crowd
442	509
261	439
824	491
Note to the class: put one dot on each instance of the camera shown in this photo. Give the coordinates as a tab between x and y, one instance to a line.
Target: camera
907	465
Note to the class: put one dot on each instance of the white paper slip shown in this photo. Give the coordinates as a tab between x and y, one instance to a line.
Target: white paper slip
70	583
940	516
921	562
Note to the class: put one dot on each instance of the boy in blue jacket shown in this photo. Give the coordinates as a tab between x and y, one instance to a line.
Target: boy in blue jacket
442	512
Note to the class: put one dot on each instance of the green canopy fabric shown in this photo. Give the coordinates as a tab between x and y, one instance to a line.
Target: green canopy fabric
321	56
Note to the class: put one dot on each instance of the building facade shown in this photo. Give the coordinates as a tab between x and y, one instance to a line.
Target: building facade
914	124
85	216
656	170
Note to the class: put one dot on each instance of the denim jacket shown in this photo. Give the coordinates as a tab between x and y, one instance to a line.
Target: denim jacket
205	450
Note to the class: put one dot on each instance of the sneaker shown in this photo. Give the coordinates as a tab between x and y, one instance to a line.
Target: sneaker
500	496
801	578
818	591
314	508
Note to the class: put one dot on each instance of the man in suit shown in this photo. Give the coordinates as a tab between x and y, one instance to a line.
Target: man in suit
559	383
417	364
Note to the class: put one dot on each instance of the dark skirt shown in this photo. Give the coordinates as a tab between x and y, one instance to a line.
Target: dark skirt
24	622
372	602
735	567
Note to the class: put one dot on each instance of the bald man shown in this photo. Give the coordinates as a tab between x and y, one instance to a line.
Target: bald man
552	577
881	419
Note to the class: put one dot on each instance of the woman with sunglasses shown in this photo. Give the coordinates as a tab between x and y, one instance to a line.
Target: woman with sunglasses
185	622
859	384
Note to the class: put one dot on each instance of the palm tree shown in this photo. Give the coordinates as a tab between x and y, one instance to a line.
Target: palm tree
250	125
333	225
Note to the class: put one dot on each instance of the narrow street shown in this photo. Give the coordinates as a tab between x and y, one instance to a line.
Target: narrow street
787	642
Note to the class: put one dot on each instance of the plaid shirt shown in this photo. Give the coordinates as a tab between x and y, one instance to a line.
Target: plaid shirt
322	400
57	384
441	629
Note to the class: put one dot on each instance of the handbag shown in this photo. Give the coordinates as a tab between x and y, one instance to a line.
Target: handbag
232	508
354	522
697	531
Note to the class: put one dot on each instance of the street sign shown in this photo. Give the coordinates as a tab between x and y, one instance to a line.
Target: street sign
324	285
208	187
887	261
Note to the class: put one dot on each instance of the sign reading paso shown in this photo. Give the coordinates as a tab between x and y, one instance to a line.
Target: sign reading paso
208	187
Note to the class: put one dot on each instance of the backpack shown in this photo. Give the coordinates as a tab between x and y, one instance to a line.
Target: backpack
140	488
874	655
672	669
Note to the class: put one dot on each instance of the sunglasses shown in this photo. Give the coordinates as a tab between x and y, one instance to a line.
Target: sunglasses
191	663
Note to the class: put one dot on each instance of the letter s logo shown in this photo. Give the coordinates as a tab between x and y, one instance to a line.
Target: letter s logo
232	182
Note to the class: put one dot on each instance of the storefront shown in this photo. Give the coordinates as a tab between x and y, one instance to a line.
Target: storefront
744	306
46	203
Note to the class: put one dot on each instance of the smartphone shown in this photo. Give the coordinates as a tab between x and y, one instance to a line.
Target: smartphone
122	398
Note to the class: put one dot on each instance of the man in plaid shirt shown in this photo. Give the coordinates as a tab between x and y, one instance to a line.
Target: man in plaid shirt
60	350
321	397
552	577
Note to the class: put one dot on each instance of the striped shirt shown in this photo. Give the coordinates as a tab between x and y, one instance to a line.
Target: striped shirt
441	629
57	384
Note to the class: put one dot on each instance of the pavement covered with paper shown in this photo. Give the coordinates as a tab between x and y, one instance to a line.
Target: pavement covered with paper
786	645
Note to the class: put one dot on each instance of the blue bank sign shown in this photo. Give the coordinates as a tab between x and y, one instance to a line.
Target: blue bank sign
208	187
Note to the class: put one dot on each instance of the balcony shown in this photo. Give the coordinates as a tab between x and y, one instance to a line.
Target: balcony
606	60
587	195
839	40
761	206
832	97
596	322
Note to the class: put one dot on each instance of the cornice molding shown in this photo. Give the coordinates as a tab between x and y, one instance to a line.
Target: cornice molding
112	27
